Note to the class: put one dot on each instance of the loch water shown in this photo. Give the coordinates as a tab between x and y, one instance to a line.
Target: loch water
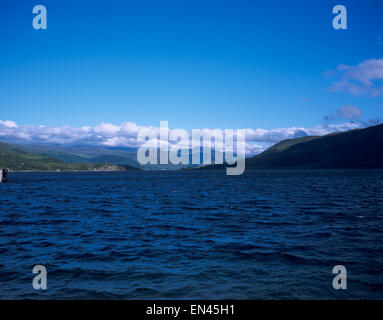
270	234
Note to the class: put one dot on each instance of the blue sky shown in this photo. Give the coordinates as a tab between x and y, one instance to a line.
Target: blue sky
225	64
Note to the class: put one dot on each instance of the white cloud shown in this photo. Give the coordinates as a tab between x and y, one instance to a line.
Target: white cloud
8	123
348	112
125	135
106	129
364	79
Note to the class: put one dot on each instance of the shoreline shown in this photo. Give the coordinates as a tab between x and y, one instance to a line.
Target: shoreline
200	170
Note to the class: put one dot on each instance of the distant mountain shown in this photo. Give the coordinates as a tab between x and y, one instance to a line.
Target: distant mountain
99	155
84	154
16	158
359	148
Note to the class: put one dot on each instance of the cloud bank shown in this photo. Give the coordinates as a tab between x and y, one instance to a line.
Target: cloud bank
125	134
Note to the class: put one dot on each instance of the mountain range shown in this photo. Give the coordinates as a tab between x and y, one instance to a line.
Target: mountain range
359	148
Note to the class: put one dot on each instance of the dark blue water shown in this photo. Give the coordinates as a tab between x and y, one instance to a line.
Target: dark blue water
169	235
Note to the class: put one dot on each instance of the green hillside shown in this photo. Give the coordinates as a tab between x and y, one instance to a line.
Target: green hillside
361	148
16	159
86	154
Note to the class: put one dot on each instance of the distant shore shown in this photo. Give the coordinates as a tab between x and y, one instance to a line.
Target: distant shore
111	168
